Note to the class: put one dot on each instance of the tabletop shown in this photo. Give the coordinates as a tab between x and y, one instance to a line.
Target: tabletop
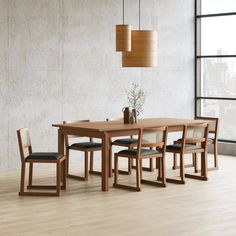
106	126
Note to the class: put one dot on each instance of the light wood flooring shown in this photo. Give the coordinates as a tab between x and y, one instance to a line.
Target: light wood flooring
196	208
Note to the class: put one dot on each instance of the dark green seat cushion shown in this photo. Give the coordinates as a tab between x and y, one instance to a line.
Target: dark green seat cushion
44	156
177	147
211	139
133	152
87	145
125	141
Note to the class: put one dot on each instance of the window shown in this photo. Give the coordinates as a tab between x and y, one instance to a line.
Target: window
215	63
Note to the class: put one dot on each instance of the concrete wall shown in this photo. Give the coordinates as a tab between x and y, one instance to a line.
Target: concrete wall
58	61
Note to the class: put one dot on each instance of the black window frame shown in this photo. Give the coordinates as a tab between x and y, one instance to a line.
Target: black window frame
198	57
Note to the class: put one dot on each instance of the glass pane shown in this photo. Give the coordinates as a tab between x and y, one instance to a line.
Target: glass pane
218	35
218	6
226	111
218	77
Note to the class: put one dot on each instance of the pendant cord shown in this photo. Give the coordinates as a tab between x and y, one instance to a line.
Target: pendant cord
123	12
139	23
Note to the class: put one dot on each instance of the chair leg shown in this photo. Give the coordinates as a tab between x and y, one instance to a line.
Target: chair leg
216	155
151	164
157	163
182	176
30	175
163	170
204	165
129	166
138	174
67	160
141	168
127	187
91	166
193	159
91	162
195	163
63	174
150	168
161	178
85	177
174	161
58	178
203	174
110	162
132	161
128	172
86	165
22	180
116	170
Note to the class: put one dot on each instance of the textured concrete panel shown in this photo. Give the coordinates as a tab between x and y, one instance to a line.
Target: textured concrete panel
3	119
35	42
63	65
4	84
36	105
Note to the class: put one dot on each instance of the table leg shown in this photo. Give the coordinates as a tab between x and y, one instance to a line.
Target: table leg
105	162
61	142
204	165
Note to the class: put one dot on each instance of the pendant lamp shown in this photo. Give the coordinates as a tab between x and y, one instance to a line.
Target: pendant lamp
144	48
123	35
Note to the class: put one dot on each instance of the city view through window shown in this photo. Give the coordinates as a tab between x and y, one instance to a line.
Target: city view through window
216	63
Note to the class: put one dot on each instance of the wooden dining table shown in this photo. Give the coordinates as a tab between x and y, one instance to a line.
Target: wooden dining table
105	130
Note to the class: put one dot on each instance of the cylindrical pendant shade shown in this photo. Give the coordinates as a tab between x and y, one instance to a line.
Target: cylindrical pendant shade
123	38
144	49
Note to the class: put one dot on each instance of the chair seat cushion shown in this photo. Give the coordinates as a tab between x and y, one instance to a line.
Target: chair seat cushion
177	147
125	141
44	156
86	145
133	152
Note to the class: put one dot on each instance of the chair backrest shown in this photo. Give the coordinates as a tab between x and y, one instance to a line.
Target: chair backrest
193	134
24	142
213	124
153	138
67	137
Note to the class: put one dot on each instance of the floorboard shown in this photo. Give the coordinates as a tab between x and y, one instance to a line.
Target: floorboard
196	208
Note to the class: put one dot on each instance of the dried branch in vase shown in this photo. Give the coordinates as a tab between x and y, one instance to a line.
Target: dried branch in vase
136	97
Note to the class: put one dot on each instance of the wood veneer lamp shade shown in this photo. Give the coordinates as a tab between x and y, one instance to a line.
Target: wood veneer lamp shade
144	49
123	38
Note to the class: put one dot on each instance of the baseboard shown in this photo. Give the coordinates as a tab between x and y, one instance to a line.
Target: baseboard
225	149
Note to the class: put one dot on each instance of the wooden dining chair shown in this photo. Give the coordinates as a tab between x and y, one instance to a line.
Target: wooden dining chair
129	142
27	156
148	138
88	147
194	140
212	140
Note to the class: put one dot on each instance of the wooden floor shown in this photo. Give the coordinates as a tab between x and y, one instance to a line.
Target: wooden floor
196	208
